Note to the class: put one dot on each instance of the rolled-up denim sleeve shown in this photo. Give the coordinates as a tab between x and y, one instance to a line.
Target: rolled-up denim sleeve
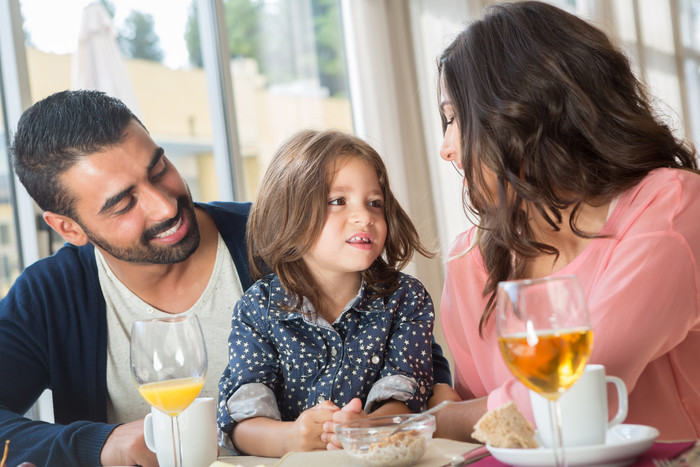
253	400
398	387
250	400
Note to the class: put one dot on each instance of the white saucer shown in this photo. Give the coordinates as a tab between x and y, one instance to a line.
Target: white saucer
623	443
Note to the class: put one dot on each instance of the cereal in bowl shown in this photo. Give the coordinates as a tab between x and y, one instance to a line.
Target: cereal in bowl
402	448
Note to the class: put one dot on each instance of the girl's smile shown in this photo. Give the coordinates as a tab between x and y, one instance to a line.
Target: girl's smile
362	241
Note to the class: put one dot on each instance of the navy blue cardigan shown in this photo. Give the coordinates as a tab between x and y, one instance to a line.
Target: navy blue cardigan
53	334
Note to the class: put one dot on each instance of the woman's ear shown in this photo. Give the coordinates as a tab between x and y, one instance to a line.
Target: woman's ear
66	227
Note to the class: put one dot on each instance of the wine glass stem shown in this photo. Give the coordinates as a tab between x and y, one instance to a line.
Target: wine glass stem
177	446
557	440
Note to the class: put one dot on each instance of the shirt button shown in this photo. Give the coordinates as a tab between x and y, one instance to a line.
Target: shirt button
320	399
334	352
375	359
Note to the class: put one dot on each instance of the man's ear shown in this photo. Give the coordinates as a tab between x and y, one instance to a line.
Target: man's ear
67	228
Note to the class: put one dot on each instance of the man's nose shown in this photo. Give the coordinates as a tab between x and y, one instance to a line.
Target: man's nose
161	205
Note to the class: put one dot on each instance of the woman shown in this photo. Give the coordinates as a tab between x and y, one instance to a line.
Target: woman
568	171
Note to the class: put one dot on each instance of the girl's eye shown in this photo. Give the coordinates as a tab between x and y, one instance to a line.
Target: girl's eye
377	203
449	121
337	202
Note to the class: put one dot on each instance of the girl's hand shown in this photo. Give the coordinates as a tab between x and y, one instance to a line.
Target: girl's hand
352	411
307	430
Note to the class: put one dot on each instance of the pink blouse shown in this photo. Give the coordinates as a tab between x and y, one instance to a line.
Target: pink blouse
643	289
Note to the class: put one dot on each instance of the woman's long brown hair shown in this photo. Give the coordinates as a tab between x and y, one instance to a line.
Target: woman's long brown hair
547	103
290	212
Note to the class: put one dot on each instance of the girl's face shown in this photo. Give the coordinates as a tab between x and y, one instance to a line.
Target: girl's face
355	228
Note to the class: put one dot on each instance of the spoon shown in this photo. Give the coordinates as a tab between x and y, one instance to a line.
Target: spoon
413	419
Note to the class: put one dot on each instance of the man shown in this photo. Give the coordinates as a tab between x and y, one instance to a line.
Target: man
138	247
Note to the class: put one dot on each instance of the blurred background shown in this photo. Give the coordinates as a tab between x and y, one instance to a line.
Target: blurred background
221	83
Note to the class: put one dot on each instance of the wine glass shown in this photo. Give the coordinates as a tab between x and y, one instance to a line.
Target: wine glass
169	364
545	337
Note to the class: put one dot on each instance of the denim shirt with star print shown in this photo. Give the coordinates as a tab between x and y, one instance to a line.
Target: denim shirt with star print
282	363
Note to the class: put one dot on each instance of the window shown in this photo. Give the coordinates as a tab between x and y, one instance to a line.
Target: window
288	73
690	31
286	63
136	51
9	250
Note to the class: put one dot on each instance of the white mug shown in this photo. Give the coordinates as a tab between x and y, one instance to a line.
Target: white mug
584	409
198	434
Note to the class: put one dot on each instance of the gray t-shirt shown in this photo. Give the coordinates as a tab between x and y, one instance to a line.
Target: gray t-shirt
214	309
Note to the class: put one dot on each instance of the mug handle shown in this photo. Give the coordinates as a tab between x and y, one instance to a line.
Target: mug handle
148	432
622	405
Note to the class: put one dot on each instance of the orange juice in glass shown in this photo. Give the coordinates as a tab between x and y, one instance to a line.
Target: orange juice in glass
172	396
169	364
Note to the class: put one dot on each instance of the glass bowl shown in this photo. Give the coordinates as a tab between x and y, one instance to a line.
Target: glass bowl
369	443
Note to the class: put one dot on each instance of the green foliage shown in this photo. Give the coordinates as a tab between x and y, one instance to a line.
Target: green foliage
329	45
242	25
138	38
267	33
194	45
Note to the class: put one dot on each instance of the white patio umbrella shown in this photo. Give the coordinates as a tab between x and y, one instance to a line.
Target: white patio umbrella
98	62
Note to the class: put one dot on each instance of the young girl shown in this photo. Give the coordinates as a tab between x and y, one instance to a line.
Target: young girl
335	321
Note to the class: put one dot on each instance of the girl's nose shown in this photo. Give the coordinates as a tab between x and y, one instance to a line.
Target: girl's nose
362	216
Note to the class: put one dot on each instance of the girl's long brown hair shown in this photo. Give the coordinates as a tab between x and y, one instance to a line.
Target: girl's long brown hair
290	212
547	103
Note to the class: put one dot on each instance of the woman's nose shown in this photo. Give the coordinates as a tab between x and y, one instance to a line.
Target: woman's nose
447	150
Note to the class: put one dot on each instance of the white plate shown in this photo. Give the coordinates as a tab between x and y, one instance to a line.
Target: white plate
623	443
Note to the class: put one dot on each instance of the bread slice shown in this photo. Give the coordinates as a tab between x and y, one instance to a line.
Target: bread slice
505	427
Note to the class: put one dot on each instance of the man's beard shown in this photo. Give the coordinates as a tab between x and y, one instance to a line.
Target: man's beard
147	253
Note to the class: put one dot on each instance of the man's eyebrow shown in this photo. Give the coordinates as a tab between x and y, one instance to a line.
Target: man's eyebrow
157	155
112	200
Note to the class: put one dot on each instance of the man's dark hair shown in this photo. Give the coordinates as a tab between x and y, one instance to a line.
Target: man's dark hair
53	134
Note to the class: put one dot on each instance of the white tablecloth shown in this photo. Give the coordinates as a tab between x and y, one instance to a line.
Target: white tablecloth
439	452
